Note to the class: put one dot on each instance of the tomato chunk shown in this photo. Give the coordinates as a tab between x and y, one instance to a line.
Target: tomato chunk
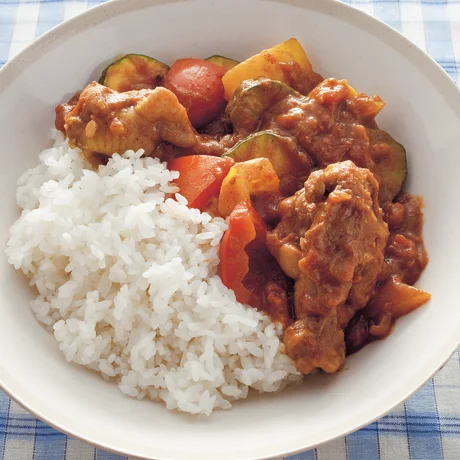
198	86
244	226
200	177
247	267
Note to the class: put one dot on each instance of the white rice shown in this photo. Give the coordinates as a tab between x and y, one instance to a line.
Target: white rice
127	281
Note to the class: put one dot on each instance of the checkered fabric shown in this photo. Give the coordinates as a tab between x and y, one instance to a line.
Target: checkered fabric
427	426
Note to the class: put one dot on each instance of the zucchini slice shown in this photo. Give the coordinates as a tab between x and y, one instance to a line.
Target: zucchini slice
291	165
390	160
222	61
252	99
264	144
133	72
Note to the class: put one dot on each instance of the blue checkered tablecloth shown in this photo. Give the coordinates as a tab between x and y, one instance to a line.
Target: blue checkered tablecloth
427	426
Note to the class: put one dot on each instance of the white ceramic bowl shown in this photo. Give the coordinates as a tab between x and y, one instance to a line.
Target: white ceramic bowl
423	112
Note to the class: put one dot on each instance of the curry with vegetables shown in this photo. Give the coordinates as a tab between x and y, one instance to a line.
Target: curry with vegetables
320	235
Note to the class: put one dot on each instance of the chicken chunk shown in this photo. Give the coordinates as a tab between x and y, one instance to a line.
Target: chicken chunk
333	123
331	240
104	121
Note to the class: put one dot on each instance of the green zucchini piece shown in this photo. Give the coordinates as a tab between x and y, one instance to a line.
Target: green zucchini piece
390	160
252	99
290	163
264	144
222	61
134	71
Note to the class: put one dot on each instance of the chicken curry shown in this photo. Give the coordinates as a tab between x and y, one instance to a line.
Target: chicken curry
320	235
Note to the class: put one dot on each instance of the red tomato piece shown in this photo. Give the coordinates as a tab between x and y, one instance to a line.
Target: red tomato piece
198	86
244	226
200	177
247	267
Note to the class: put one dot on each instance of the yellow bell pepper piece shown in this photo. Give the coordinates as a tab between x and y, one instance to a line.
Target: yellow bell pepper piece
266	64
245	179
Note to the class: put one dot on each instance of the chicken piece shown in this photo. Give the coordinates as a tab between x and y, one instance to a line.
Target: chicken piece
330	124
333	123
331	240
105	121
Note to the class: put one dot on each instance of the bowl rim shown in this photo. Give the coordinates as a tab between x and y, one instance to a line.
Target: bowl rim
336	8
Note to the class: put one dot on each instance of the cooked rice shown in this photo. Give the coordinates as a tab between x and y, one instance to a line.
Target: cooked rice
127	281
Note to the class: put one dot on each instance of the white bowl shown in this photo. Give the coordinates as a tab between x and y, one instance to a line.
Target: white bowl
423	112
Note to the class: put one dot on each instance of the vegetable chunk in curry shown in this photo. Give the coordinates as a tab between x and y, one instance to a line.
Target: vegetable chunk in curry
320	235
